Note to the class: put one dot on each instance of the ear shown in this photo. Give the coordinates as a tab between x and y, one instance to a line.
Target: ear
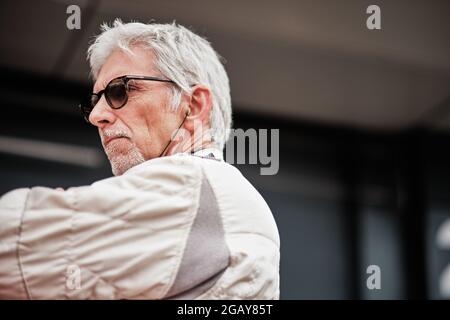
200	105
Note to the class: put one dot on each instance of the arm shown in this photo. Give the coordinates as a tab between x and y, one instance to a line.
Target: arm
125	235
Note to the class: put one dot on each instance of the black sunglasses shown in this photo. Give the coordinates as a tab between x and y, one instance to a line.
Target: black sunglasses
116	94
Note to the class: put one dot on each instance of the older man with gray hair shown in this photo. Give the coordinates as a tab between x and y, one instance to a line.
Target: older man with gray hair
175	221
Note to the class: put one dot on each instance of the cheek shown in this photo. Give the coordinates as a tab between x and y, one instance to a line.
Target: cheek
149	120
152	112
145	128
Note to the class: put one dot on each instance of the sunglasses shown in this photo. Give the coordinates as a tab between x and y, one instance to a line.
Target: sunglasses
116	94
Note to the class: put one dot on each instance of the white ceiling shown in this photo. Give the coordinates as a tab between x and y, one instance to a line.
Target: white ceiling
312	60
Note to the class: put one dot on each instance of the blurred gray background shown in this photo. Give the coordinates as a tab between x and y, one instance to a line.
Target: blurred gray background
364	119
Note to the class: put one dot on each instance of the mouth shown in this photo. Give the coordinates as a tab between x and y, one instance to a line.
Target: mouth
108	140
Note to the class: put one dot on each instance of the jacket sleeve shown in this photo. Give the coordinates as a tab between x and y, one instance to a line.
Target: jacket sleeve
119	238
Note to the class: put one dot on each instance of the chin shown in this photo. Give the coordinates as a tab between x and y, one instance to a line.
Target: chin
121	163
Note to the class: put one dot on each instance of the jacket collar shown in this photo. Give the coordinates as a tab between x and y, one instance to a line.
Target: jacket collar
213	153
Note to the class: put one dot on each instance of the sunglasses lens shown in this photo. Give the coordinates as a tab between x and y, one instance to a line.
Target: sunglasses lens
116	93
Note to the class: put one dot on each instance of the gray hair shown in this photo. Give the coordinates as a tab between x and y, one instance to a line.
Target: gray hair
182	56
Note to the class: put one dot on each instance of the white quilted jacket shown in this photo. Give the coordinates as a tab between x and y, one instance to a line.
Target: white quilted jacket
178	227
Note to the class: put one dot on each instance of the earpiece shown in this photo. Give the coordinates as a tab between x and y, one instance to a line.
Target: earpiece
188	112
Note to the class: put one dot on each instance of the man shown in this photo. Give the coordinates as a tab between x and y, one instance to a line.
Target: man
176	221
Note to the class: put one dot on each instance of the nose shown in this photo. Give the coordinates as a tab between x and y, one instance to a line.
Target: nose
102	114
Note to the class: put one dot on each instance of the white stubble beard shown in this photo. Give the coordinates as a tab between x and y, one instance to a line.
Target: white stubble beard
122	159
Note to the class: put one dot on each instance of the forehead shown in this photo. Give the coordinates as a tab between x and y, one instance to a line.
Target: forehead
119	63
